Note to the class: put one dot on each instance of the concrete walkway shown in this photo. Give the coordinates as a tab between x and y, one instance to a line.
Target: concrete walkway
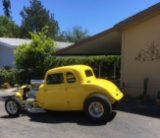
10	91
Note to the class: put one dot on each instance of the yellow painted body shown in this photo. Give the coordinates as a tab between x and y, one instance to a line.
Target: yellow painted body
20	93
71	96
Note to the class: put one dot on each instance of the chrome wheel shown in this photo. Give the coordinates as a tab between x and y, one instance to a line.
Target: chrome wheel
96	109
12	107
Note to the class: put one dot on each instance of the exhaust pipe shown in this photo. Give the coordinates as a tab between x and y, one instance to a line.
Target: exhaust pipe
31	109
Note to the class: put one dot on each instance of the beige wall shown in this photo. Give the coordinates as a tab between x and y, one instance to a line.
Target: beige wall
138	60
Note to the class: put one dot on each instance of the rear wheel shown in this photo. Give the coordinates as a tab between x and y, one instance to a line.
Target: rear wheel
13	106
97	108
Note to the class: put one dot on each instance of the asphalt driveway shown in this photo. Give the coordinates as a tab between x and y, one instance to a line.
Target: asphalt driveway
128	121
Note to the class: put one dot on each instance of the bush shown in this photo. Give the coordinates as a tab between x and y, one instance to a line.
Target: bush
7	76
5	85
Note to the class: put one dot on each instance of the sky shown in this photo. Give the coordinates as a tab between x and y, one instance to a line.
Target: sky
94	16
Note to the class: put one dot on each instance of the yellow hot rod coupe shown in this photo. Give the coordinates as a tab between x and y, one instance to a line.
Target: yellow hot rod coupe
67	88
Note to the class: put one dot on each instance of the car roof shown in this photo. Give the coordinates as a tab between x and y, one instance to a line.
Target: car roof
70	67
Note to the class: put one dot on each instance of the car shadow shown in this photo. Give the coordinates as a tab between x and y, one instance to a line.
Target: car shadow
149	109
63	117
67	117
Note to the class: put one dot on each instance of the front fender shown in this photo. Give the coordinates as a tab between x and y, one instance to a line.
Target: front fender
17	94
4	98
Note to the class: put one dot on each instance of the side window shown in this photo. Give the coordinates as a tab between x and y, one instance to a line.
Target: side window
70	77
88	73
55	78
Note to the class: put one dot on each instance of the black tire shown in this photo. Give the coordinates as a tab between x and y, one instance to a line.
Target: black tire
13	106
97	108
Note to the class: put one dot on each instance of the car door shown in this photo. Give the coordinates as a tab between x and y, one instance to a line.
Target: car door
55	95
74	90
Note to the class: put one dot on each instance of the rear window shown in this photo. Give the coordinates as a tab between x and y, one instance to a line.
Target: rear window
88	73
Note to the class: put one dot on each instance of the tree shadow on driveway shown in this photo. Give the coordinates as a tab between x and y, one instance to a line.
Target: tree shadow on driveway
149	109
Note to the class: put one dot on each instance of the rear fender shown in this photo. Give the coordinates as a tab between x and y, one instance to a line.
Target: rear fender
110	98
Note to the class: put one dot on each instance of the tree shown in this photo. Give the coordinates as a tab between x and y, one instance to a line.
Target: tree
35	17
8	28
73	36
7	7
35	58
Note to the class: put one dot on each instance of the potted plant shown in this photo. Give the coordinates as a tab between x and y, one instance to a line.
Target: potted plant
158	98
126	98
143	98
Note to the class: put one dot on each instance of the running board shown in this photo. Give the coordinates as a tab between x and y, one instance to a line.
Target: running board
36	110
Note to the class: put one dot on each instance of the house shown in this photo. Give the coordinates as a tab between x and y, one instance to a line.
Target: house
137	40
8	45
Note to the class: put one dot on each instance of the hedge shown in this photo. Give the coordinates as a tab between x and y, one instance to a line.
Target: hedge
107	67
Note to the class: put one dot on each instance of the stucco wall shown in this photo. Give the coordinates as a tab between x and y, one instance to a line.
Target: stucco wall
6	56
141	58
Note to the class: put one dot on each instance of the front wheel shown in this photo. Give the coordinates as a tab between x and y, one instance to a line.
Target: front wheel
13	106
97	108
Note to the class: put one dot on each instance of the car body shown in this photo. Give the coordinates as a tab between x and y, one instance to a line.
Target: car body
72	88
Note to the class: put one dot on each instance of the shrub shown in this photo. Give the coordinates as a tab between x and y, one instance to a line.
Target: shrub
5	85
7	76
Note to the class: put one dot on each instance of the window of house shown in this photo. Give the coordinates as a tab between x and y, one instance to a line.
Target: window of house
55	78
70	77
